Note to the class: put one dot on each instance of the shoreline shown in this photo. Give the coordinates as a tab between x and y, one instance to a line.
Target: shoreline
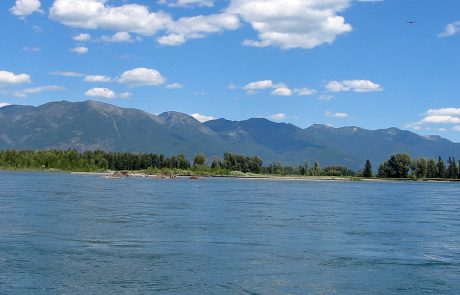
118	175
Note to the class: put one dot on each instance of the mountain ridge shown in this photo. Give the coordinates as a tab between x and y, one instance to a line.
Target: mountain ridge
90	125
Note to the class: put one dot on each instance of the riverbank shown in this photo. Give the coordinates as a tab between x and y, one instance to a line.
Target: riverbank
232	175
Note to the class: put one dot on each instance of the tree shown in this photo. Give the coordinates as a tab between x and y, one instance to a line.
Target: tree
431	171
399	166
452	170
421	168
441	168
316	170
199	160
367	172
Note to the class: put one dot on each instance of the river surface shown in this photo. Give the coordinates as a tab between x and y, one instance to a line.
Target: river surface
74	234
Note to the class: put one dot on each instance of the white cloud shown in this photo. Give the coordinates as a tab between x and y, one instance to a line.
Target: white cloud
282	91
96	14
339	115
67	74
277	117
100	92
126	94
456	128
444	112
97	78
198	27
325	97
31	49
304	91
172	40
4	104
294	23
450	30
142	77
9	78
82	37
442	116
437	119
202	118
232	86
174	86
26	92
23	8
353	85
118	37
79	50
259	85
187	3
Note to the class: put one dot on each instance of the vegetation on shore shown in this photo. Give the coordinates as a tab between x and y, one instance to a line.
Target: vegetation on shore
399	166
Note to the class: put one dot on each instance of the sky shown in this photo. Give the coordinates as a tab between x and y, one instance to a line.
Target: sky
368	63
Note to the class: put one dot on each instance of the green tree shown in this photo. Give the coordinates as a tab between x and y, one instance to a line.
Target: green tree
421	168
367	172
199	160
399	166
441	169
452	169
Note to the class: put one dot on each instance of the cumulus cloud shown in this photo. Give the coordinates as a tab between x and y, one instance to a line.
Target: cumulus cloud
79	50
339	115
82	37
126	94
353	85
97	78
9	78
438	119
31	49
282	91
259	85
450	30
101	92
187	3
304	91
199	26
26	92
118	37
294	23
142	77
325	97
444	112
174	86
202	118
67	74
23	8
4	104
96	14
442	116
277	117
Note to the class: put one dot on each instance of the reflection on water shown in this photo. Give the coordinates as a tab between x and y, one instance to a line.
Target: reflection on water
74	234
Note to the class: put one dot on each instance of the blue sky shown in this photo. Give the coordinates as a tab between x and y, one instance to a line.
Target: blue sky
336	62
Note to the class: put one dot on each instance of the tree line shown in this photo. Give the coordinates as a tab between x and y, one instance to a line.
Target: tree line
397	166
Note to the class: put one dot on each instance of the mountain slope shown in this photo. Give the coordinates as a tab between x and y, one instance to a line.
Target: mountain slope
93	125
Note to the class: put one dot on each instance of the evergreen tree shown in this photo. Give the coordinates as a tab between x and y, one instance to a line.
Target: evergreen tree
452	170
431	170
441	168
421	168
367	172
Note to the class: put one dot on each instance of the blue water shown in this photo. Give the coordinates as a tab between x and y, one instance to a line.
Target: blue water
71	234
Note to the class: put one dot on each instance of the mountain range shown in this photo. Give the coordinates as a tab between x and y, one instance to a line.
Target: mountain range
91	125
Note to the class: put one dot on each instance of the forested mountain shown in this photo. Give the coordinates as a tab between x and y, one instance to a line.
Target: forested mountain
94	125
